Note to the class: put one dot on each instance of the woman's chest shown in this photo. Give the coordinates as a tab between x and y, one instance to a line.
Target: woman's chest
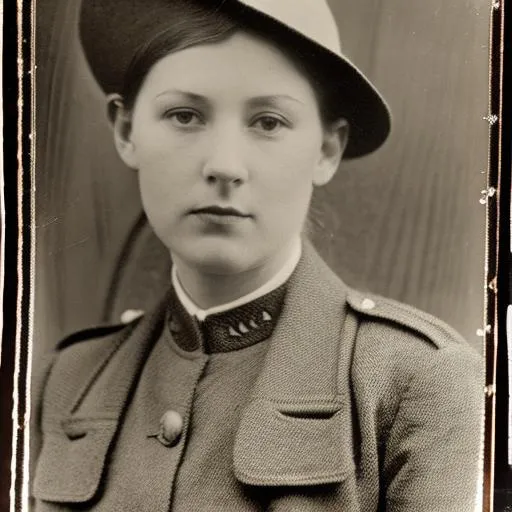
193	469
190	464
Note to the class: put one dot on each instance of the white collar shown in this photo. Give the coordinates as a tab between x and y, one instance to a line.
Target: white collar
272	284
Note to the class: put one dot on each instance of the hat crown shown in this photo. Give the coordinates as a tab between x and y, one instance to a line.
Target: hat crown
311	18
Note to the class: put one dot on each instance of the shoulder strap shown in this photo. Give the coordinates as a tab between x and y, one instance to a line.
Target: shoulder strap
380	308
100	331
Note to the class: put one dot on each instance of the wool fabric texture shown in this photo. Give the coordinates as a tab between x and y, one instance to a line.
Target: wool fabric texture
352	403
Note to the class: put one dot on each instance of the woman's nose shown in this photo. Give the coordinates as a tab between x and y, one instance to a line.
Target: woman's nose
224	163
223	175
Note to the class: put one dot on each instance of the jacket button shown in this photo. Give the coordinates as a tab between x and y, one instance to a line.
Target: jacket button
171	426
130	315
367	304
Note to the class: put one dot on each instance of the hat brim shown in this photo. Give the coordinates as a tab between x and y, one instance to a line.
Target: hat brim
108	46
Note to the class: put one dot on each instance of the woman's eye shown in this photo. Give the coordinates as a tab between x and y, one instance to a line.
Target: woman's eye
269	124
183	117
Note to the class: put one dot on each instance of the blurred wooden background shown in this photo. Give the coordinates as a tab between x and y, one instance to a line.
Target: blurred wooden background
405	222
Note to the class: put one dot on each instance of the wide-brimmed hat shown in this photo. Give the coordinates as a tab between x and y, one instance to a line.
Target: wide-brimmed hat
111	32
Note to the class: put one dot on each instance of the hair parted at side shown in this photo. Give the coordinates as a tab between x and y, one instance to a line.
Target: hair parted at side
193	25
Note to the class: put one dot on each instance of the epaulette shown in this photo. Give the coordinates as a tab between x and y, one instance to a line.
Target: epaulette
406	316
129	318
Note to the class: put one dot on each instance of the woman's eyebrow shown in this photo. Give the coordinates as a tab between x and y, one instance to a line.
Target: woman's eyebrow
253	102
273	99
187	95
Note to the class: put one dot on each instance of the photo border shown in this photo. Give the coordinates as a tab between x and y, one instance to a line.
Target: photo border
18	232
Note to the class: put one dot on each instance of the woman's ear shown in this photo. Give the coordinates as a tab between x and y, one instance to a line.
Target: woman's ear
120	119
333	146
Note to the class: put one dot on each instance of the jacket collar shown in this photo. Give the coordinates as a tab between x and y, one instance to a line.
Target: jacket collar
234	329
302	362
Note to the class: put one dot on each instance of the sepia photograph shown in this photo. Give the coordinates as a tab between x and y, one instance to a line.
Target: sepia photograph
259	265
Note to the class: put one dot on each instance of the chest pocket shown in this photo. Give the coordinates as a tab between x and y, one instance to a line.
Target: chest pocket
73	459
287	446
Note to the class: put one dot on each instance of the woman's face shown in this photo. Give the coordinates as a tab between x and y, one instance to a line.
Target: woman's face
228	142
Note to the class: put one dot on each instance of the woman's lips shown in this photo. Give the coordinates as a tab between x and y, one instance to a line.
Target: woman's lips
220	215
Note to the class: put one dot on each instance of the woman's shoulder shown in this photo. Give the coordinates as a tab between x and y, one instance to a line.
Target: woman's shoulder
79	355
398	345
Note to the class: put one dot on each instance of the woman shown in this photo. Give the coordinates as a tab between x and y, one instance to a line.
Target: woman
261	382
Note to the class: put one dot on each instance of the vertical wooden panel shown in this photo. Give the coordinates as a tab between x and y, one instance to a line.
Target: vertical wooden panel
404	222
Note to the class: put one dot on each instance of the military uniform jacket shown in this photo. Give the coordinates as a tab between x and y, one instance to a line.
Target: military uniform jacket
362	404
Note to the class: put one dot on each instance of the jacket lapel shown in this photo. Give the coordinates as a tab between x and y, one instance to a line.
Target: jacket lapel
297	428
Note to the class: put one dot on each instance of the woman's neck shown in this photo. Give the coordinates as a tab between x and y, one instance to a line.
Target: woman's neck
208	289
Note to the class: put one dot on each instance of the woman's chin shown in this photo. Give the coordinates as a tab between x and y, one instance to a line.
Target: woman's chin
222	259
219	265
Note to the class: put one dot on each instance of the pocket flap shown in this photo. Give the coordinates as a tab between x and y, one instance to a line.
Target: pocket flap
279	446
72	460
